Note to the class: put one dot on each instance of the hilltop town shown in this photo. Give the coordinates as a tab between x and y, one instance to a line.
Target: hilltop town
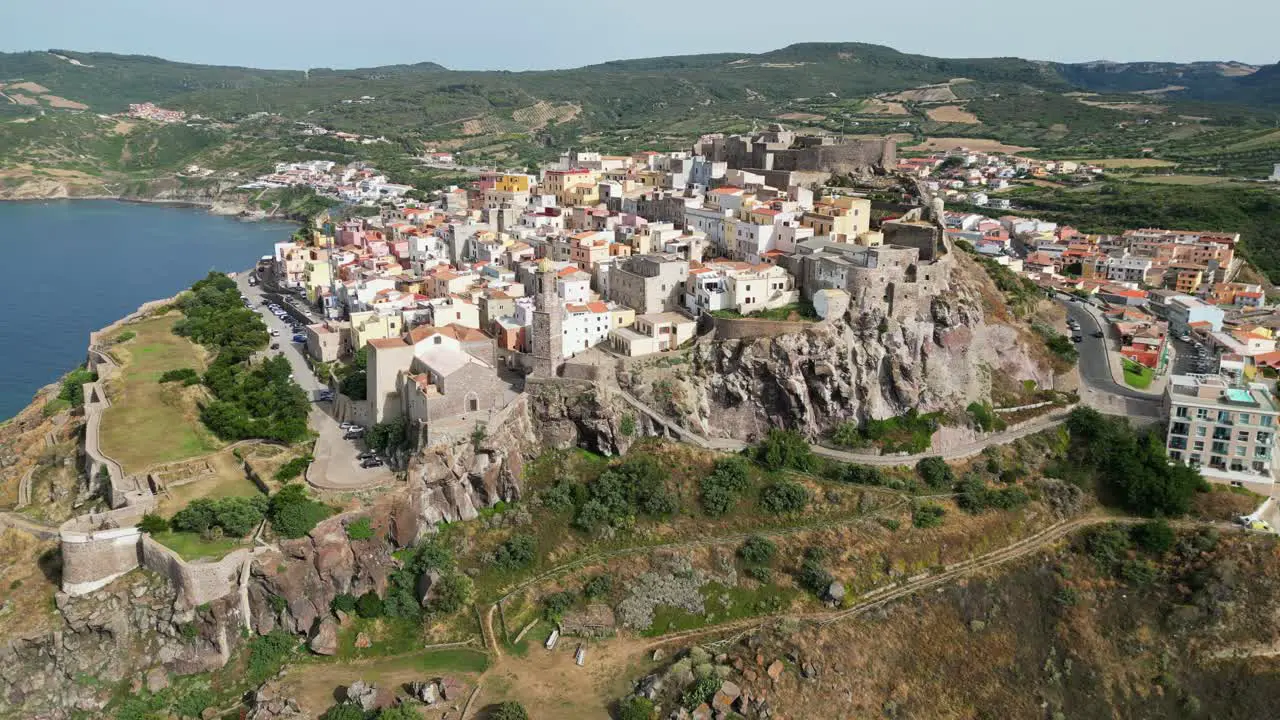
644	401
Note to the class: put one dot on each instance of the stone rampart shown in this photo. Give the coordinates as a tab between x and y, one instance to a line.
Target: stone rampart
91	560
196	582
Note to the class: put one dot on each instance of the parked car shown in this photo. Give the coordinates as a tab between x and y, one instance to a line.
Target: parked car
275	346
371	463
1076	338
275	333
353	435
367	454
1099	334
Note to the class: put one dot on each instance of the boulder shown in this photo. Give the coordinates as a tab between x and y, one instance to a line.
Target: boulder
725	696
363	694
362	640
157	680
451	688
775	670
425	691
425	585
835	591
325	641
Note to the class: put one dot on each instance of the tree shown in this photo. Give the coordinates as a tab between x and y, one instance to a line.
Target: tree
721	488
515	553
453	591
555	605
509	710
813	576
399	712
935	472
927	515
597	587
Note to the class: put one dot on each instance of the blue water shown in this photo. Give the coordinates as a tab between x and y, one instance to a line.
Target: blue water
71	267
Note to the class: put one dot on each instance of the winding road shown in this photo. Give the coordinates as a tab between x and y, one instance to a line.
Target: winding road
1095	370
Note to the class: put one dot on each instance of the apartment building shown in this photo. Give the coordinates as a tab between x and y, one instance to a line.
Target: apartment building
649	283
1227	430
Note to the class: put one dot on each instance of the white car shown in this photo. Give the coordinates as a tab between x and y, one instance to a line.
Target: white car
275	333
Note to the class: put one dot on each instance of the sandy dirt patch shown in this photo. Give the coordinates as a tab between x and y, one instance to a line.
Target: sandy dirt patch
876	106
926	93
1129	162
976	144
30	87
1125	107
1182	180
801	116
1160	91
952	114
549	684
21	99
61	102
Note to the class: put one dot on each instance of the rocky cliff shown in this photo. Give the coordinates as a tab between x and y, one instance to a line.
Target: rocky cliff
863	364
128	630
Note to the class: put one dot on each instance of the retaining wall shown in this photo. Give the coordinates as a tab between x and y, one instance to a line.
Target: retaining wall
744	328
91	560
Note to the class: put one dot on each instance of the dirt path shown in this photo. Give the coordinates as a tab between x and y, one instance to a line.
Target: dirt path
490	638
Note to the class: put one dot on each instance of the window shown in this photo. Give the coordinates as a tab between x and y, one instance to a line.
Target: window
1202	413
1179	428
1202	431
1181	411
1244	418
1195	459
1242	436
1241	451
1198	445
437	340
1266	421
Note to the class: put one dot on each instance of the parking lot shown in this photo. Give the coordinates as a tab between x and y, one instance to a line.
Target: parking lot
337	464
1192	358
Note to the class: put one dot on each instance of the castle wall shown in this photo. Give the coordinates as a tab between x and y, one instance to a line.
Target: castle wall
92	560
197	583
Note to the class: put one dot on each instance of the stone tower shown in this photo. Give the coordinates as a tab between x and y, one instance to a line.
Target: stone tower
546	336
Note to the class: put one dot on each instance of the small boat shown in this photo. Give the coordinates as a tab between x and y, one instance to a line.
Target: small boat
580	656
553	639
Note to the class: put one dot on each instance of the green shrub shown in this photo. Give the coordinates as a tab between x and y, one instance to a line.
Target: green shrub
293	514
267	653
509	710
369	605
784	497
152	524
402	711
1154	536
813	576
636	707
192	703
910	433
927	515
627	425
123	337
515	553
636	486
186	376
701	691
73	385
597	587
935	472
785	450
343	602
862	475
985	417
360	529
759	573
233	516
294	468
344	711
1139	571
1107	545
555	605
757	550
723	486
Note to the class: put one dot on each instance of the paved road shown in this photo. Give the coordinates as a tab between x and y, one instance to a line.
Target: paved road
1095	371
337	465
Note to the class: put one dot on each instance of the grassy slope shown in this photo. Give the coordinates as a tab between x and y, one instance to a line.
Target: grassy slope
150	422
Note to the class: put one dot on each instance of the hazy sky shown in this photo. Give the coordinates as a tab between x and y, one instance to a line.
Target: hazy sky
520	35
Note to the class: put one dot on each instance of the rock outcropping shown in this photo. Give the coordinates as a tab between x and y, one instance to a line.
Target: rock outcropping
129	629
864	364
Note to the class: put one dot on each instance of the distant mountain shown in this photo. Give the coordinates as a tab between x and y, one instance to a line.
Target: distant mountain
422	96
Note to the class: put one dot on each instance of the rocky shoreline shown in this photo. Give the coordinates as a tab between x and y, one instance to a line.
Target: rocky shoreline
216	199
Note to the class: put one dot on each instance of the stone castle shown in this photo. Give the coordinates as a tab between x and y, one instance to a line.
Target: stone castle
808	158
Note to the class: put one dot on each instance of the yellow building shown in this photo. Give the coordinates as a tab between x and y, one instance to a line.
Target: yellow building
317	276
847	217
370	325
512	183
621	316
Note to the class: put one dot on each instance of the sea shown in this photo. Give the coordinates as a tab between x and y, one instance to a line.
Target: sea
74	266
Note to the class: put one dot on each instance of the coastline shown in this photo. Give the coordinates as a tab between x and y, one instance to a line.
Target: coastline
212	207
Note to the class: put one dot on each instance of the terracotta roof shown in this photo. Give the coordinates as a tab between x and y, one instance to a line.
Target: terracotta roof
387	343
